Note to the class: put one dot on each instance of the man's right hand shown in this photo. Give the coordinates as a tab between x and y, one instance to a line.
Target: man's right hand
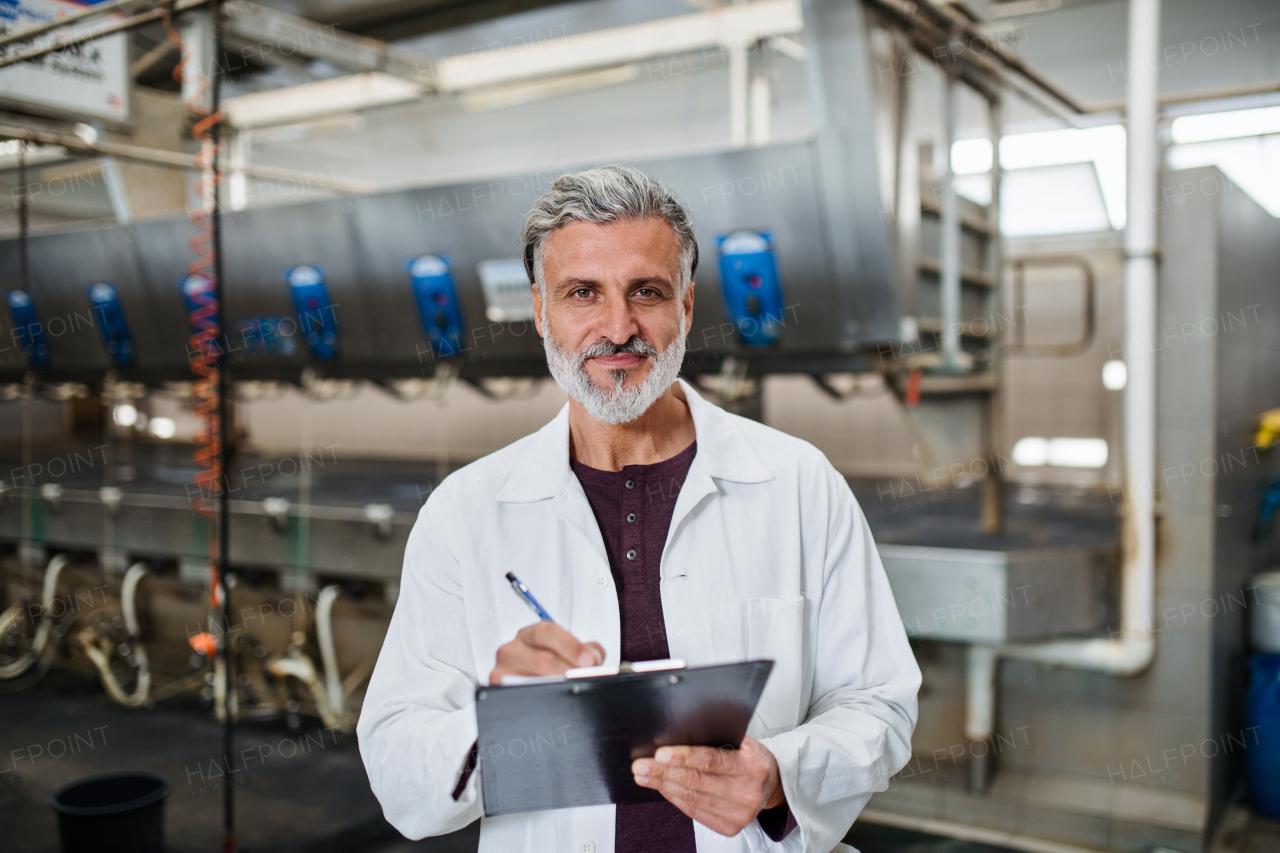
544	648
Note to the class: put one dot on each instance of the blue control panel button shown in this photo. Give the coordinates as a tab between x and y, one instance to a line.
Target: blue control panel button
316	316
109	315
751	288
437	297
27	328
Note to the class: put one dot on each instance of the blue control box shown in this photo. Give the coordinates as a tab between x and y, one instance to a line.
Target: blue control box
110	317
751	288
438	306
266	335
316	316
27	328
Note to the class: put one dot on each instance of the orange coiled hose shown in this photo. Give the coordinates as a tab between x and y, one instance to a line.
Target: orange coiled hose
204	346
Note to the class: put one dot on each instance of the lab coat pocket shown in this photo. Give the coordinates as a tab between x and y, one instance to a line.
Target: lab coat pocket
775	631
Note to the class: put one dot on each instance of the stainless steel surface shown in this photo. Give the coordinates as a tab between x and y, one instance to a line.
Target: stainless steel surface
1217	275
853	226
354	525
1077	772
837	304
993	597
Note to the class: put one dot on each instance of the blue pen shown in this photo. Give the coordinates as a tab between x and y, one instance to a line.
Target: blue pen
523	592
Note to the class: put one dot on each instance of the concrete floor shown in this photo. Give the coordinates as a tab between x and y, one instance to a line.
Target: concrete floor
308	793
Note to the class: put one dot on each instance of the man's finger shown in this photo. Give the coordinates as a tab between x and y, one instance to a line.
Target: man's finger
598	651
712	784
726	817
523	659
708	759
551	637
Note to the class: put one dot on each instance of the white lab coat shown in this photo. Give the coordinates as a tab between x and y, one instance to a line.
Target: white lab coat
768	556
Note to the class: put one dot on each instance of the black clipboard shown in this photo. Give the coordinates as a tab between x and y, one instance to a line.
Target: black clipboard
571	743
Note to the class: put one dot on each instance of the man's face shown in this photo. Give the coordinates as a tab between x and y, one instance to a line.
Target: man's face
609	288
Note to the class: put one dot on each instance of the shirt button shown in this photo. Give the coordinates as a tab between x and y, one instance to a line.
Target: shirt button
630	484
631	518
631	555
601	581
587	847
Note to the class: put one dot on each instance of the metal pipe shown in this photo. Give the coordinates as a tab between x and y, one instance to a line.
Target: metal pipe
1140	238
937	31
1191	96
950	278
949	18
1134	650
98	649
329	654
982	663
12	615
159	157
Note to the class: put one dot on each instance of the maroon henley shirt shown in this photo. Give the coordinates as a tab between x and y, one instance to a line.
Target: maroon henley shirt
633	508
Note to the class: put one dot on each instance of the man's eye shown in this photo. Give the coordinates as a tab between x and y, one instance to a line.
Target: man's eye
646	292
582	293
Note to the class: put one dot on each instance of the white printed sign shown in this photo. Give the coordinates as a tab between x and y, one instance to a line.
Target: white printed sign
507	293
89	80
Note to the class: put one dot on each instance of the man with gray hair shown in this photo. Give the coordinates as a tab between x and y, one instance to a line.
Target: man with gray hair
653	525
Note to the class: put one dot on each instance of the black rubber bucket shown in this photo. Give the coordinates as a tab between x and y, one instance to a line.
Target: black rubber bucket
113	813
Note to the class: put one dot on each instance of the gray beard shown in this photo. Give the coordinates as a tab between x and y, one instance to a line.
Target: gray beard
619	404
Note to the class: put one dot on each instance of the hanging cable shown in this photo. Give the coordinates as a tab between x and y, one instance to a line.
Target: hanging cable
204	346
208	362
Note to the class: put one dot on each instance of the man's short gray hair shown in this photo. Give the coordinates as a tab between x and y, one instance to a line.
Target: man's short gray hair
606	194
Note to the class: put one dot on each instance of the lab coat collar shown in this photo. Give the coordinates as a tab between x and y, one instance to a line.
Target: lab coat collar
724	453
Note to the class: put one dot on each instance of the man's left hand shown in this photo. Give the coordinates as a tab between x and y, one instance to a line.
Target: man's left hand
722	789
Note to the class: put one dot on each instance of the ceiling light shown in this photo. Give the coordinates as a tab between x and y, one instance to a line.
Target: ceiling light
1115	375
1227	125
163	427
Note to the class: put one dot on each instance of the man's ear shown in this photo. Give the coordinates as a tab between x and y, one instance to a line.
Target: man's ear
537	310
688	307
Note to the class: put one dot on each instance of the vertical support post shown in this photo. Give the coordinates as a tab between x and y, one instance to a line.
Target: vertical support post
238	182
980	712
950	283
196	28
738	80
116	193
761	96
993	514
1140	249
906	197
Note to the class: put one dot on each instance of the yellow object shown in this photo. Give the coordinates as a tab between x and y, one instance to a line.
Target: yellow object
1268	429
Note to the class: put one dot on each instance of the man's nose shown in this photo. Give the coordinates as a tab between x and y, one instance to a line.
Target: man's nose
618	323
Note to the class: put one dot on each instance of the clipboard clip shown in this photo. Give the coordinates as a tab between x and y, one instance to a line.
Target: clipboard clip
625	668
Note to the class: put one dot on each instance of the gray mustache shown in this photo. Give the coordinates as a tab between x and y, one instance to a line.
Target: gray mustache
633	346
